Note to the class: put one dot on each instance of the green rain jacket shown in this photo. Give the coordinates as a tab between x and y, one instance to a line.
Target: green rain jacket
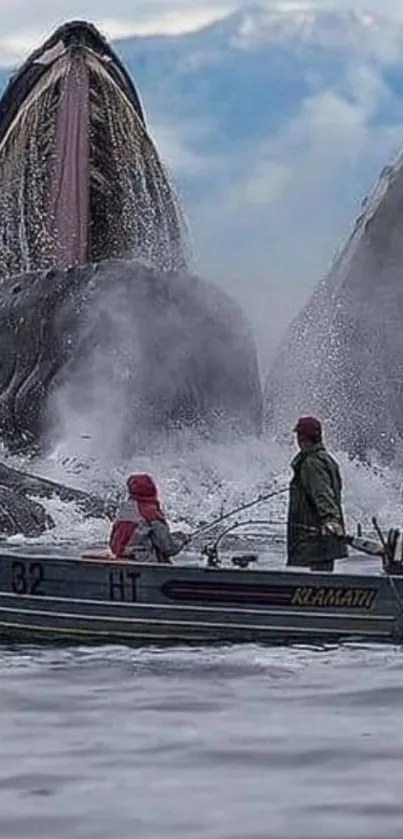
315	497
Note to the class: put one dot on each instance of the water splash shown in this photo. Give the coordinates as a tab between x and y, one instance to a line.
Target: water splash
148	207
24	234
134	209
200	478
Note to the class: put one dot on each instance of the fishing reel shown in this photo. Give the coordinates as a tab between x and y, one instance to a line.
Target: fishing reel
243	560
211	552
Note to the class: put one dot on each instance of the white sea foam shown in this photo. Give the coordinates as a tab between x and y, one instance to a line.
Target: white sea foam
200	479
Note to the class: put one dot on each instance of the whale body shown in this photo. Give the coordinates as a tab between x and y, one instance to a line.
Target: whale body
342	357
101	317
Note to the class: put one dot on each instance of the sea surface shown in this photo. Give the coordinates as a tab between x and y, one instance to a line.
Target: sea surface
228	742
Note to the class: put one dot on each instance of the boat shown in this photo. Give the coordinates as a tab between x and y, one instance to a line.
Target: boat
93	598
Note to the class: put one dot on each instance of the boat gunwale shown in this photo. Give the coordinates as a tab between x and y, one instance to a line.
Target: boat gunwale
284	569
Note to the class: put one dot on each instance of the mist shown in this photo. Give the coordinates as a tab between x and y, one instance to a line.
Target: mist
269	218
149	353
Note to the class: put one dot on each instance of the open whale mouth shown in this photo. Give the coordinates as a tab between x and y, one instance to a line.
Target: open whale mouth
81	179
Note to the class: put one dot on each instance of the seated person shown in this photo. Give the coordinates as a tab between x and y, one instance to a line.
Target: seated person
140	530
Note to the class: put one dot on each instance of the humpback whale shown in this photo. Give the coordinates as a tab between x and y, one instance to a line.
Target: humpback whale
152	350
342	357
98	306
83	192
81	180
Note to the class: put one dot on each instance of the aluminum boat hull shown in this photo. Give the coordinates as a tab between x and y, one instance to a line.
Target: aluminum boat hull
51	599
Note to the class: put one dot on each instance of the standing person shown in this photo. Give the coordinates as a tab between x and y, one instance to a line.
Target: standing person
140	530
315	526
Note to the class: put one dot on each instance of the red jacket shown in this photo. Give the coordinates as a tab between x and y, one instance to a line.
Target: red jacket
142	508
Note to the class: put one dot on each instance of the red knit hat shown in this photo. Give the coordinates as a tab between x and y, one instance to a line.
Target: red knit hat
310	428
141	486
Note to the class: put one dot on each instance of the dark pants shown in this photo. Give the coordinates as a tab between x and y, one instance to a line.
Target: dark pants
317	553
313	564
322	565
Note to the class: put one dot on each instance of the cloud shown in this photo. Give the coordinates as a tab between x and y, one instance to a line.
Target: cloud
389	8
270	235
175	144
143	17
25	23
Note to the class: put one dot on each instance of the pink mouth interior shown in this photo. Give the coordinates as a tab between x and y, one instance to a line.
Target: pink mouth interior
70	182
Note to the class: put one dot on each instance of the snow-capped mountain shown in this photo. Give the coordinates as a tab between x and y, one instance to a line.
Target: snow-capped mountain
275	123
257	55
256	26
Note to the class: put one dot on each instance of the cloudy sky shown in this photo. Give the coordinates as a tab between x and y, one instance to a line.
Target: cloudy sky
24	22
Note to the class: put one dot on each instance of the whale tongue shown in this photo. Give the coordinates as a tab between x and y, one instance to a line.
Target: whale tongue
70	180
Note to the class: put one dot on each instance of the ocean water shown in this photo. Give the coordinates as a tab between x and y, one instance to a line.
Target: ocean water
234	742
230	743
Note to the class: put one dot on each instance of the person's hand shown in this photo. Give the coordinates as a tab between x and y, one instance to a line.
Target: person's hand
332	527
185	538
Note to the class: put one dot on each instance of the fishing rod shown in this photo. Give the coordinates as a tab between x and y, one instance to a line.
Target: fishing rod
237	524
240	509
